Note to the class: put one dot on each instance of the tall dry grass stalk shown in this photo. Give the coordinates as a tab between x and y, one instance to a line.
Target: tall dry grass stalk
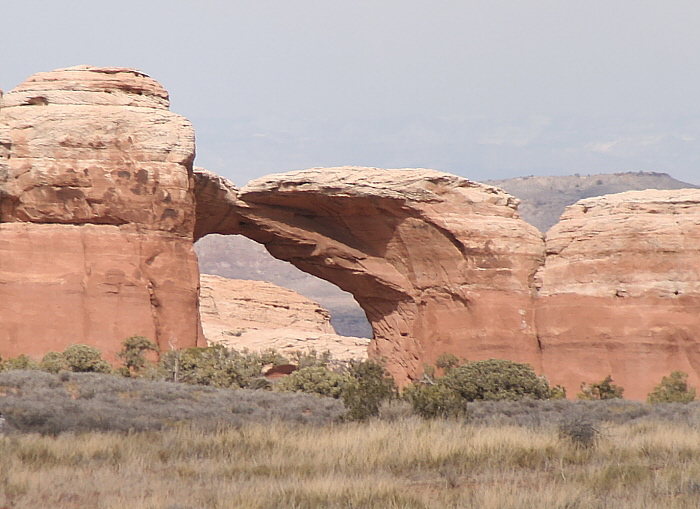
409	463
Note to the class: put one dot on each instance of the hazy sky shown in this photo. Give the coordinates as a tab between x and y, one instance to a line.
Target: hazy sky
488	89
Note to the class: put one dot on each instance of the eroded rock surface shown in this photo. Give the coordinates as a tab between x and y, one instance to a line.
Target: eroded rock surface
99	208
257	315
96	214
438	263
620	290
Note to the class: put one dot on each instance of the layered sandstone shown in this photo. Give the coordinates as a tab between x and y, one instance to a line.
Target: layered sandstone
438	263
96	213
256	315
99	208
620	290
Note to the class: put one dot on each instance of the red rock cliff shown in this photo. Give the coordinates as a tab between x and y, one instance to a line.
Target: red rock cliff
96	214
620	291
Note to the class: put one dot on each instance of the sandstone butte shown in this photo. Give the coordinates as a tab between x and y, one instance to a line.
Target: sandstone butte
96	214
100	206
620	290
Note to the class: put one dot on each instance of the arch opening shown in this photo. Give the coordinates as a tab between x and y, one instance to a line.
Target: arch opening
428	256
238	257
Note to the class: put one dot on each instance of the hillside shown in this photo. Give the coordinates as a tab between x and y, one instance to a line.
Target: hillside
543	199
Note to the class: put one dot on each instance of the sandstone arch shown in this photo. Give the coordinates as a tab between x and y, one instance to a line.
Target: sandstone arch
100	206
437	262
441	264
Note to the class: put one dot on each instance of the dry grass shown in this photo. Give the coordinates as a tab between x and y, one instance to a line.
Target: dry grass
102	442
408	463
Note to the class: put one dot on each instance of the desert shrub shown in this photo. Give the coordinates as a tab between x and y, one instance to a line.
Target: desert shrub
315	380
260	384
446	362
557	392
369	385
672	389
311	358
36	401
496	379
604	389
53	362
394	410
217	366
579	430
490	380
21	362
85	359
133	353
435	400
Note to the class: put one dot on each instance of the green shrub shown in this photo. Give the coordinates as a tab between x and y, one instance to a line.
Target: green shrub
21	362
495	380
217	366
311	358
85	359
672	389
557	392
436	400
369	385
446	362
604	389
53	362
133	353
315	380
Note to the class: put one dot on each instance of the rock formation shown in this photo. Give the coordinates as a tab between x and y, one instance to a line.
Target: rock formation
441	264
96	214
438	263
620	291
256	315
99	208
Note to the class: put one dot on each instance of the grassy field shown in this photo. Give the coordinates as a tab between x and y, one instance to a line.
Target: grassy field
102	442
406	463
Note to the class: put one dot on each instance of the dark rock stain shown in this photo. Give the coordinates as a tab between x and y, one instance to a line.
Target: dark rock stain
169	214
69	193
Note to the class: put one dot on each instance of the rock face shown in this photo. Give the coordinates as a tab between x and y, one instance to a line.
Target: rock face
441	264
257	316
96	214
620	290
437	262
99	208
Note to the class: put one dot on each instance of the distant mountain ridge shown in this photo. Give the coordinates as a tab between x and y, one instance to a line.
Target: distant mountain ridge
543	199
